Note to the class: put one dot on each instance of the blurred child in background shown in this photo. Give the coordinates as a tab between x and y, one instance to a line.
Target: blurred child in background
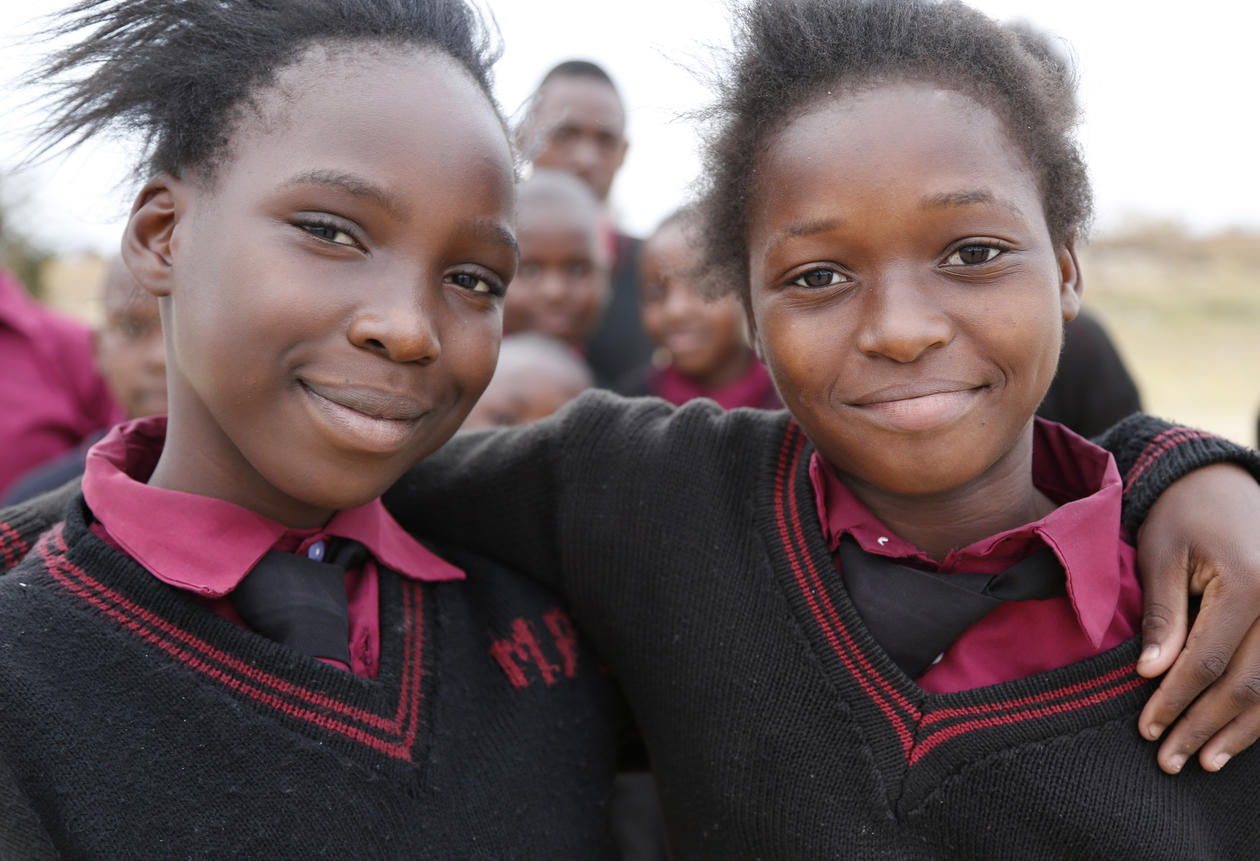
51	395
536	376
701	337
576	122
562	283
132	361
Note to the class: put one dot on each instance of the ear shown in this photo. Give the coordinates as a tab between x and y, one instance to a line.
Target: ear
149	242
1070	282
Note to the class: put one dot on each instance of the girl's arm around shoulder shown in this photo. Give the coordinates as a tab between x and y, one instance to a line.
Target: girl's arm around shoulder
531	496
1193	502
21	525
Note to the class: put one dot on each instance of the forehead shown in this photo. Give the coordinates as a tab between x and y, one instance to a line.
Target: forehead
380	112
911	143
554	220
580	101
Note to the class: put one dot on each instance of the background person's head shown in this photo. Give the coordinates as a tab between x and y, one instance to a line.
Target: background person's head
576	122
536	376
896	200
704	335
562	282
129	350
326	223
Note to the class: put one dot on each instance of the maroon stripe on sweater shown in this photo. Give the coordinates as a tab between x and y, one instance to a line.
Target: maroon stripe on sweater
1124	673
1169	439
887	699
263	687
928	742
890	701
11	545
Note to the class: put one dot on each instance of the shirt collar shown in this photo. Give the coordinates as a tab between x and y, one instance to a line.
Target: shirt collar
753	388
1082	532
208	545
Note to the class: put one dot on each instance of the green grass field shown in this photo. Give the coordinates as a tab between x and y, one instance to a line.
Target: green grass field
1185	313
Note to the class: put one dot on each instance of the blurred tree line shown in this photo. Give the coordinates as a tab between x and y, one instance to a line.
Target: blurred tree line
19	253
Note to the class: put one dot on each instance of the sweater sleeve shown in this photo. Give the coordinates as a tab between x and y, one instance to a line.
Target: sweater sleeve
506	493
21	525
1152	454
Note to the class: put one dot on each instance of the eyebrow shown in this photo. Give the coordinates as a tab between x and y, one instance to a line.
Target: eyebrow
491	231
805	228
356	186
951	199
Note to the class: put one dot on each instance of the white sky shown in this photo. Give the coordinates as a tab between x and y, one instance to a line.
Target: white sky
1170	98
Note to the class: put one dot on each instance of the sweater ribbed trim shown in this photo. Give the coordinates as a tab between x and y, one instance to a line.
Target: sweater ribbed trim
256	671
922	722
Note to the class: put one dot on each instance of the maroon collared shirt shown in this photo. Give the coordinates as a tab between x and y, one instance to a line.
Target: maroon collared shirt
1103	604
753	388
207	546
51	396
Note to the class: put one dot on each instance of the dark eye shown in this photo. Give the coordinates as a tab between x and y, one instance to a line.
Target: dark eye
818	278
578	268
329	234
474	283
970	255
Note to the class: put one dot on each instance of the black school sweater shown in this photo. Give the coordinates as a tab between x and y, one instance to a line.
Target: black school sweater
688	546
134	722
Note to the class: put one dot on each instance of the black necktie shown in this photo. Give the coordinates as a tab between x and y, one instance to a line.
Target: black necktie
916	615
300	601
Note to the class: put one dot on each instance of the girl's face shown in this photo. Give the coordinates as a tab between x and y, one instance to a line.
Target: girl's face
705	339
333	297
905	291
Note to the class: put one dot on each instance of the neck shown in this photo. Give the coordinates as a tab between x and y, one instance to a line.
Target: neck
1003	497
189	464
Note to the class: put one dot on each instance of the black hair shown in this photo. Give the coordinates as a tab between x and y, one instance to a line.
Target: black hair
788	53
578	69
179	72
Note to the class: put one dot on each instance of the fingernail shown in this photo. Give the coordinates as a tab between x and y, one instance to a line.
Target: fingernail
1150	653
1219	762
1155	730
1175	764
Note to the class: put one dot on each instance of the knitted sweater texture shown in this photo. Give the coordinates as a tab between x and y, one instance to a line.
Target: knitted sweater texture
687	545
134	722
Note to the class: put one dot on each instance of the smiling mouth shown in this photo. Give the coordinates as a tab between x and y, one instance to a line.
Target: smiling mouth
914	412
364	418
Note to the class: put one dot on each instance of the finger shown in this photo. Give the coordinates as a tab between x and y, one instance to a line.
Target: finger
1238	735
1166	573
1225	719
1224	619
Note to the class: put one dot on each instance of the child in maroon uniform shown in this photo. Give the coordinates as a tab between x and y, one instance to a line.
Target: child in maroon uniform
910	608
702	339
228	648
562	284
132	361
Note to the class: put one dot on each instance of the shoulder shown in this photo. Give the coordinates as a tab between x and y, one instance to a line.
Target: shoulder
21	525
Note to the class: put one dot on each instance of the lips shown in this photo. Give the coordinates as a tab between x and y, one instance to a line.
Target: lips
918	407
364	418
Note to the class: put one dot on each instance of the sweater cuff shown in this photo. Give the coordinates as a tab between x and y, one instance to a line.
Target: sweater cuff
1152	454
21	525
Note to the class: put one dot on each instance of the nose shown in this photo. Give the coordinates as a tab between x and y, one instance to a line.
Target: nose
902	319
401	326
553	286
679	304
